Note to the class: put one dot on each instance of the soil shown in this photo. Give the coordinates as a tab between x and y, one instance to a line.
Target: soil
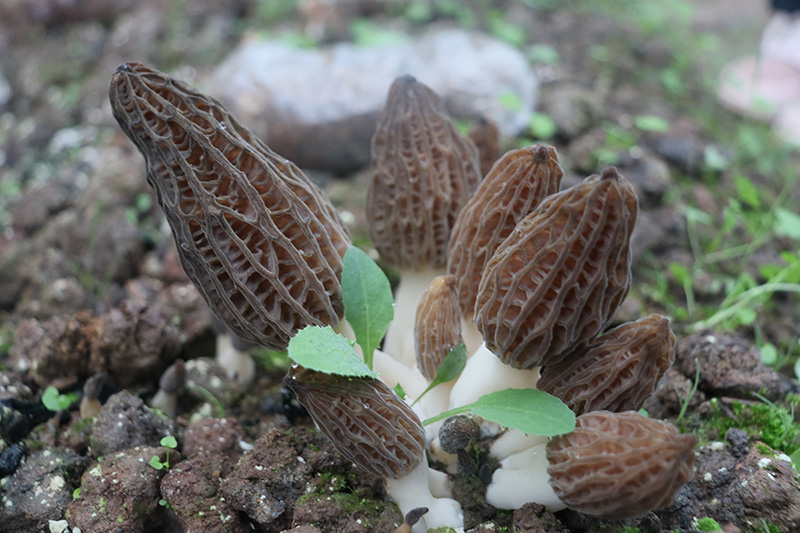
90	283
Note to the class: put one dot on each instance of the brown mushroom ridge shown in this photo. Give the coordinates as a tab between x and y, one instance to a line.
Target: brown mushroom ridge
560	276
365	420
515	186
423	171
257	238
617	372
619	465
438	325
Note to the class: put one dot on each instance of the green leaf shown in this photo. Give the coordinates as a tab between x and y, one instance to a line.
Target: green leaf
680	272
787	223
769	354
169	442
55	401
747	191
368	303
156	463
543	53
324	350
746	316
651	123
400	391
715	159
672	81
707	524
510	101
532	411
452	366
504	29
542	126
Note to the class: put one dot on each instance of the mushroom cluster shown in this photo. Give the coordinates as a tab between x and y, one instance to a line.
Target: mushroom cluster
528	277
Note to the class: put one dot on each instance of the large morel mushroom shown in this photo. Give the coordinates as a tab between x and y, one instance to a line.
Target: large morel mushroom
259	240
619	465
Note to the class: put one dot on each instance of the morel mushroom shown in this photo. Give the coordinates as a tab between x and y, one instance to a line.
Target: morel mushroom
423	171
514	187
617	372
552	285
169	385
372	427
437	328
558	279
619	465
258	239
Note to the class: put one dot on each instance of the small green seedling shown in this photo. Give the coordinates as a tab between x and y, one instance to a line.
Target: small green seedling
55	401
155	461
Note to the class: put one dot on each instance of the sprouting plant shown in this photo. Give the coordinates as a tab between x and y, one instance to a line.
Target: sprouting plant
156	462
690	392
56	401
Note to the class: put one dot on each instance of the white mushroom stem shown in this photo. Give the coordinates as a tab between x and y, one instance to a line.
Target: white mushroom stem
412	491
392	372
440	484
485	373
471	335
165	402
436	401
399	340
513	441
523	478
237	364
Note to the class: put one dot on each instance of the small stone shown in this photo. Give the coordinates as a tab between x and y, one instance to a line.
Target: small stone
331	98
58	526
729	366
123	488
125	421
39	489
739	442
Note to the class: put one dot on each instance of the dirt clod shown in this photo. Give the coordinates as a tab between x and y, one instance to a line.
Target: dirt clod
125	421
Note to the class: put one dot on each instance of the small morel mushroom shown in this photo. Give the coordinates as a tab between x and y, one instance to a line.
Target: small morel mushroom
560	276
169	385
410	519
437	330
258	239
231	353
619	465
515	186
376	430
617	372
365	420
438	326
90	401
423	171
455	434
